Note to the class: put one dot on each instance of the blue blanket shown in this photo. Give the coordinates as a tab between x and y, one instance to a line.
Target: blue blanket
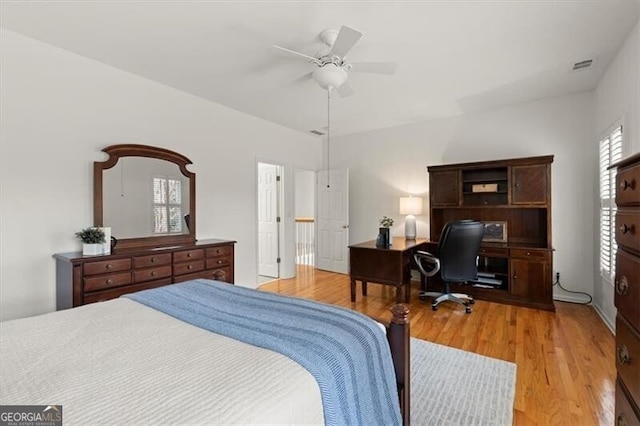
345	351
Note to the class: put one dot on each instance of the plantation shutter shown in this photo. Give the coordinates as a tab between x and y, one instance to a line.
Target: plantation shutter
167	206
610	152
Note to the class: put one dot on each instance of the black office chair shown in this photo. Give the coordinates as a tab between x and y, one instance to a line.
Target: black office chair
456	260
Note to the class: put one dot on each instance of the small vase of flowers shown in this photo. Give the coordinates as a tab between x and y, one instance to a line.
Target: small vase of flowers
92	241
384	235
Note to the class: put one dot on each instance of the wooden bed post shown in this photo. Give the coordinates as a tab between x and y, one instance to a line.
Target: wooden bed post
399	342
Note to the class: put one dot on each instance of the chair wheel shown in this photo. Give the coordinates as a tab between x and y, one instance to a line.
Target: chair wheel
467	310
472	301
434	307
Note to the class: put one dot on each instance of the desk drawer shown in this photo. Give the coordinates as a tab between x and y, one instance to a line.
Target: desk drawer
107	266
493	252
627	287
530	253
151	260
628	357
107	281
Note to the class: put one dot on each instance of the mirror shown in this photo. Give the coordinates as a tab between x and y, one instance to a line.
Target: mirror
146	195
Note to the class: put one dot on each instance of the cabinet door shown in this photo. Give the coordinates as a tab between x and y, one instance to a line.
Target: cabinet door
444	188
529	184
529	279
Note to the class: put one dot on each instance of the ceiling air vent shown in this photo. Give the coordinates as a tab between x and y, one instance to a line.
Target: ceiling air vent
317	132
582	65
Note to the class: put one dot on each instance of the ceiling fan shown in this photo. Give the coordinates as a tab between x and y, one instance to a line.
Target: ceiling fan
331	61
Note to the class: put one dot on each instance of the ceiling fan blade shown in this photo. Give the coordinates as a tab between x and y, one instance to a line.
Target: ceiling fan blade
388	68
302	78
346	39
293	54
345	90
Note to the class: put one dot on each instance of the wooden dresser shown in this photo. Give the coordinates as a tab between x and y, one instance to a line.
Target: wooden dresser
87	279
627	291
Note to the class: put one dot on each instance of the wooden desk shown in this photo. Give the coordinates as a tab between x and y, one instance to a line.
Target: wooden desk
389	266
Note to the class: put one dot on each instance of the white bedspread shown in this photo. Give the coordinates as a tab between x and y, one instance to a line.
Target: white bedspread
120	362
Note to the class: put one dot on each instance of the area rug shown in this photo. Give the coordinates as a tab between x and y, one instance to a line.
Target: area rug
454	387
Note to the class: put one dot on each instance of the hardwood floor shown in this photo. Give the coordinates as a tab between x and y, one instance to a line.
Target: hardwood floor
565	360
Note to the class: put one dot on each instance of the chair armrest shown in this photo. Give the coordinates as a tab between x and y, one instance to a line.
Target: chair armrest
428	264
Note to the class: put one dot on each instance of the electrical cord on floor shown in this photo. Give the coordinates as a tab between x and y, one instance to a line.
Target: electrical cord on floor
557	282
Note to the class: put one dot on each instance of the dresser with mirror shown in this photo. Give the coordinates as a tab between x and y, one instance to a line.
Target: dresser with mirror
147	196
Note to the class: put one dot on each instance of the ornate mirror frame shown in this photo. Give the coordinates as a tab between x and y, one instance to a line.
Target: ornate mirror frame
116	152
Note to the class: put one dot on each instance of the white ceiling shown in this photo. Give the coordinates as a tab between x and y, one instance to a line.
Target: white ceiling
452	57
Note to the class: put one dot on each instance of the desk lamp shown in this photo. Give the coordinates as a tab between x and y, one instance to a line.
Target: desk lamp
410	206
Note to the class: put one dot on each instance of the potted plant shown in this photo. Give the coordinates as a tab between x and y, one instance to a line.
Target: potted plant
92	240
384	237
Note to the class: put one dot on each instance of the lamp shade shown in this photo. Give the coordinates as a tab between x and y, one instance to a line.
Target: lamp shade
411	205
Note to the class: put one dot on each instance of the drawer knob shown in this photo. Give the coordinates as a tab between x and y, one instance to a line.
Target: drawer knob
189	254
154	260
621	420
109	266
189	266
153	273
625	184
623	355
219	274
218	251
622	286
528	253
624	228
220	261
109	281
515	276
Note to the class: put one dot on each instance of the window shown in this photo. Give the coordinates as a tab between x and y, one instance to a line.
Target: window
610	152
167	206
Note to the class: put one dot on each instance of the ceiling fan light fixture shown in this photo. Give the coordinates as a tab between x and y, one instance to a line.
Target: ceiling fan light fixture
330	76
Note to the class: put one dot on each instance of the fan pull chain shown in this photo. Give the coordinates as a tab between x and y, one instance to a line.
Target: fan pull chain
328	131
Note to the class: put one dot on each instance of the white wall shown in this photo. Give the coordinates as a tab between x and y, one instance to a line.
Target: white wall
617	98
60	109
305	193
387	164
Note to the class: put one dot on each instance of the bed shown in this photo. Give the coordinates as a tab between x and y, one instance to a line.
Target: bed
206	352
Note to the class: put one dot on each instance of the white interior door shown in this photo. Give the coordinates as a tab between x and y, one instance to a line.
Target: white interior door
333	221
268	220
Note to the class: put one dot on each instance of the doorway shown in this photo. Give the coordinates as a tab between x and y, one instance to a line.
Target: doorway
269	219
304	212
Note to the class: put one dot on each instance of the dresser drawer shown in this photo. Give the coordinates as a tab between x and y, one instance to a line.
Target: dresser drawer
107	281
188	255
107	266
627	287
628	186
628	229
219	274
218	262
628	357
219	251
625	414
150	274
101	296
188	267
151	260
532	253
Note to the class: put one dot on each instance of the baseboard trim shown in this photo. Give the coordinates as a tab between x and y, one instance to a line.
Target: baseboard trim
610	324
